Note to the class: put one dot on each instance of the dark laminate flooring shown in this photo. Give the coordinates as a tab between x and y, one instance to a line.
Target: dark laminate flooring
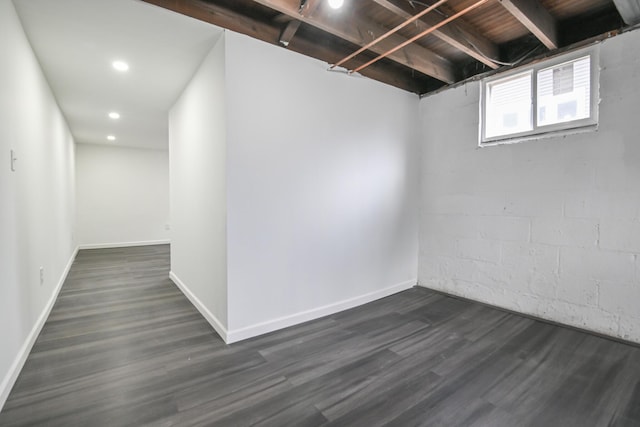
123	347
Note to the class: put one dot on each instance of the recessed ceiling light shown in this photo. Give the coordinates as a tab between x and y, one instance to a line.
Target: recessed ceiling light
114	115
120	65
336	4
111	138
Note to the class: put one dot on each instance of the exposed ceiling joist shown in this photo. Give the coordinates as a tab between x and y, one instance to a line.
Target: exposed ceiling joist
390	32
629	10
222	17
271	33
458	35
359	30
288	32
313	28
536	18
426	32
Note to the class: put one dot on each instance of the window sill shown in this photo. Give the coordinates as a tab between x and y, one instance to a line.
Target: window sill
540	136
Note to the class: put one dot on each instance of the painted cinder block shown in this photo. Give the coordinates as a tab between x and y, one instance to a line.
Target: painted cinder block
504	228
569	227
535	204
478	249
603	204
436	244
467	204
451	225
534	264
584	292
628	327
581	265
433	267
575	232
620	235
586	317
620	297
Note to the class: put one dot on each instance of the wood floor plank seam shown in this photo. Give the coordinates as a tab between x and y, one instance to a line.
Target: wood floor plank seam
123	346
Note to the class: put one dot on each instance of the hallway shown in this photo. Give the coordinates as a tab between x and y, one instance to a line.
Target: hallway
124	347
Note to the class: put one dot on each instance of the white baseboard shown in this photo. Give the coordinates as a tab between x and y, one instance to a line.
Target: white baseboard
315	313
123	244
213	320
285	321
18	363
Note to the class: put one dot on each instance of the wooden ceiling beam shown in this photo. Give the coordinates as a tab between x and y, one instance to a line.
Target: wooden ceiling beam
360	31
460	36
536	18
289	31
222	17
271	32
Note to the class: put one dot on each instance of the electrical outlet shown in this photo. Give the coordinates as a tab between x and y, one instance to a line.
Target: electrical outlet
41	275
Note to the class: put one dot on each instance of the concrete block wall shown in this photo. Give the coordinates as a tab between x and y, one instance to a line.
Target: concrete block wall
547	227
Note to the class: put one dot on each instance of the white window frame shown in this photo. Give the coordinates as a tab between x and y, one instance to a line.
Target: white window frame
547	130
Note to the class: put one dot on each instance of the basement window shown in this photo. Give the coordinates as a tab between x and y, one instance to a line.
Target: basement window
547	98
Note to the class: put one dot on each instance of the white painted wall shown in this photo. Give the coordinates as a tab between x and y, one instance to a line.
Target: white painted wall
550	227
37	200
322	187
198	164
293	189
122	195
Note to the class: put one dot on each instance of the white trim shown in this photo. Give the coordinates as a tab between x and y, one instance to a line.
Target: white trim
315	313
213	320
542	136
124	244
18	363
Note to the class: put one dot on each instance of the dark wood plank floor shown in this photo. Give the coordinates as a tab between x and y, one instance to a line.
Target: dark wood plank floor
123	347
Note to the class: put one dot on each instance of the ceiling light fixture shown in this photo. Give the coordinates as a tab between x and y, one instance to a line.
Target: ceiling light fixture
120	66
111	138
114	115
336	4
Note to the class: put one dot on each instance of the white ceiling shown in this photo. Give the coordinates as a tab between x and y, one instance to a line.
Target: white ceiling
77	40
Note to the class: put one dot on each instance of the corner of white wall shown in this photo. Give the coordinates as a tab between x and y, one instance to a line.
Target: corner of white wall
322	211
198	205
201	307
16	367
312	314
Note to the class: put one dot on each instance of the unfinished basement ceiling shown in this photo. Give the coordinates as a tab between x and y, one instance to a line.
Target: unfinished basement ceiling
465	37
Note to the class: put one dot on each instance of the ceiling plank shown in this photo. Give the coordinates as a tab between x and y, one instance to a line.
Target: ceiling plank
288	32
459	36
536	18
629	10
360	31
